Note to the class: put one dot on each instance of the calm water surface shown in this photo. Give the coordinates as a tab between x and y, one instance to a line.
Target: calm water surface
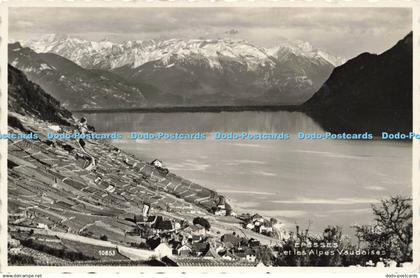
326	182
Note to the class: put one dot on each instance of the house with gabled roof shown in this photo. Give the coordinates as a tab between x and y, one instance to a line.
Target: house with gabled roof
184	250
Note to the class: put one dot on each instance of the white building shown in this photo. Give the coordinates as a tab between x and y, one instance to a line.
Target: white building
42	226
266	229
251	257
250	226
163	250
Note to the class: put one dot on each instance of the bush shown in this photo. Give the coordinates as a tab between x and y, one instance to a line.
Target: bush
203	222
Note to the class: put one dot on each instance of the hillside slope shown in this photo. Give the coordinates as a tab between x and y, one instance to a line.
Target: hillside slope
370	93
27	98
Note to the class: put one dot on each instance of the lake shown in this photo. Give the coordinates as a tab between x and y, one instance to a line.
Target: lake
316	182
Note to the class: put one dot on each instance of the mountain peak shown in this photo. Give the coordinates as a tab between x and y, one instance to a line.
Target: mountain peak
306	49
305	46
15	46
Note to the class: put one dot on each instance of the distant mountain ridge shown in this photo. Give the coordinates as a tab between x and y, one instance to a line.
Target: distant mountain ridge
369	93
203	71
74	86
92	54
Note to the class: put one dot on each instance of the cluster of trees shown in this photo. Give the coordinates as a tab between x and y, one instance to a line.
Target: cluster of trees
388	238
203	222
392	230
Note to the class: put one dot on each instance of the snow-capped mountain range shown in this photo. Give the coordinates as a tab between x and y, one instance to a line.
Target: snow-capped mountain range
202	71
109	55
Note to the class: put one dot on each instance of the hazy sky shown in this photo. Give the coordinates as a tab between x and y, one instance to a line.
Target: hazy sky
341	31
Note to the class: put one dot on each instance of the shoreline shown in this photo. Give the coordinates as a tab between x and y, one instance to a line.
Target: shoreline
193	109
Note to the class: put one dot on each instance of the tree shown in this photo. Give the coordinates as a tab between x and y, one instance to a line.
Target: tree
203	222
392	230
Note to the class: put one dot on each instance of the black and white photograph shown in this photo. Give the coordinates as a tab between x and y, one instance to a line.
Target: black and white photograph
210	136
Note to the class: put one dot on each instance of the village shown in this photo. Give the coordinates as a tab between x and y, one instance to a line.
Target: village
95	203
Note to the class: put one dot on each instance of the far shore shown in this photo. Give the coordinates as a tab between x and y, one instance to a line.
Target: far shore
191	109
